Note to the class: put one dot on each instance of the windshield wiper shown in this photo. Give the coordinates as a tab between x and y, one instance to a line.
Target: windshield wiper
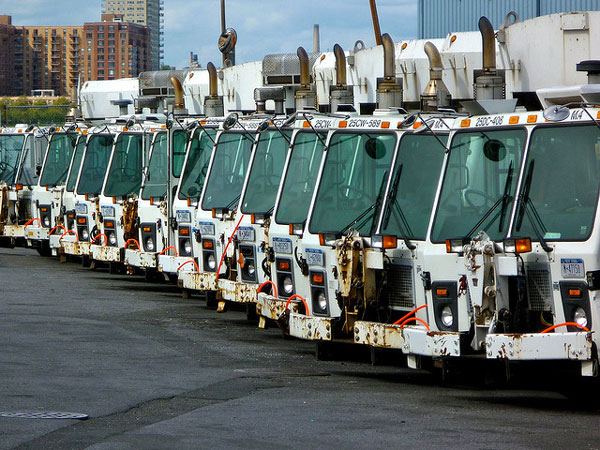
404	227
231	203
532	215
372	208
502	200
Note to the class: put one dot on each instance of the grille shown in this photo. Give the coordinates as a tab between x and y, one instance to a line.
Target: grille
285	64
400	285
539	289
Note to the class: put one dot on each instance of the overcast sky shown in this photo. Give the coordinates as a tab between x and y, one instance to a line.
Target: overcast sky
262	26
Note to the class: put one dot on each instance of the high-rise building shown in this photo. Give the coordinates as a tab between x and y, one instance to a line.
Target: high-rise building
8	52
142	12
115	49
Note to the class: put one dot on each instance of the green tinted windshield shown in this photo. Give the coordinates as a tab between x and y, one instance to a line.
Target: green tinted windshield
300	178
479	184
265	173
125	173
10	152
156	180
226	177
58	158
414	185
194	174
95	162
75	166
560	189
180	141
355	168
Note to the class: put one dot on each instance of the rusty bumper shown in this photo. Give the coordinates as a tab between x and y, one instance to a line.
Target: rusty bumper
14	231
272	307
235	291
170	264
54	241
411	340
71	247
198	281
146	260
311	328
537	346
37	233
105	253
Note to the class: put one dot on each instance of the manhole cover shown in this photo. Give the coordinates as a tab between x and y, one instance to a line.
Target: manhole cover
43	415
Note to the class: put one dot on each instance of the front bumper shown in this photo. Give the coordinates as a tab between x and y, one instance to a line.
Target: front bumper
171	264
72	247
235	291
16	231
410	339
273	308
311	328
198	281
536	346
146	260
35	233
105	253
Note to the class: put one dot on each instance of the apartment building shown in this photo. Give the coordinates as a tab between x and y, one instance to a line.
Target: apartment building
142	12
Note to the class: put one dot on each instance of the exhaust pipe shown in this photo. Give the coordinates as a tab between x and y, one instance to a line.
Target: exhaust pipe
489	84
375	17
213	103
179	106
75	111
389	90
275	93
305	97
340	93
436	93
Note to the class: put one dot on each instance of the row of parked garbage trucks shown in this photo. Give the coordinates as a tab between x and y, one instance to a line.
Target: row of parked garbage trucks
459	223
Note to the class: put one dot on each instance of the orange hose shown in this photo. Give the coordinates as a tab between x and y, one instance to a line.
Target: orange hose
410	313
133	240
69	232
301	298
227	246
272	284
30	221
188	262
571	324
163	252
101	234
415	319
55	228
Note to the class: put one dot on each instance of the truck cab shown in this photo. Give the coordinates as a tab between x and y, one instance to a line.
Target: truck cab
22	150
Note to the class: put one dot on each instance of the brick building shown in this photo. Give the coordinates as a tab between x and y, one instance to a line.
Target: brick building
115	49
142	12
34	58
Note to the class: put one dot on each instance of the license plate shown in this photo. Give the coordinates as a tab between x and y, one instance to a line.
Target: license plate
315	257
206	228
108	211
572	268
81	208
245	234
282	245
184	216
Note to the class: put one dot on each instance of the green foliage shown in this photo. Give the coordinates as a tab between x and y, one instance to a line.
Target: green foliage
36	112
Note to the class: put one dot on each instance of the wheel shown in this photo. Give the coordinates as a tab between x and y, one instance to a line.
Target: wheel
43	249
86	261
251	315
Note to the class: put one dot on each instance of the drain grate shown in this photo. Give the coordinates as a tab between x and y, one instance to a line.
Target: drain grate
43	415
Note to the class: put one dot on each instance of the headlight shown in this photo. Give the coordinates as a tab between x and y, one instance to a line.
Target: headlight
112	239
447	317
212	262
46	221
150	244
288	286
187	247
579	317
251	269
322	300
84	234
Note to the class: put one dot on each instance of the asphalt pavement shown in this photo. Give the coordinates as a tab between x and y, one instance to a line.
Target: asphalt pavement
155	371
